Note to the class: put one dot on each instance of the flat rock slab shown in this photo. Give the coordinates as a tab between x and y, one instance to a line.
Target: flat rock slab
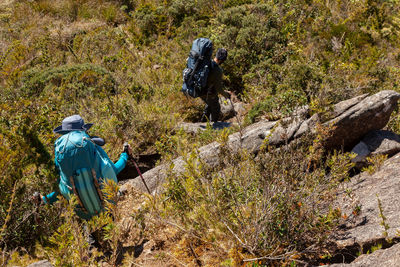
43	263
197	127
389	257
365	229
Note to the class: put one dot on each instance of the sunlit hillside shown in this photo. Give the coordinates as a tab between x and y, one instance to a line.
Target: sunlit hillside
119	65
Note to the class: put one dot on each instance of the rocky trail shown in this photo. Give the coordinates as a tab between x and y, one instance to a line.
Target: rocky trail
370	230
356	123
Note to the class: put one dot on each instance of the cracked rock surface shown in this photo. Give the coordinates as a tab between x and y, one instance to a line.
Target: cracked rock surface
365	229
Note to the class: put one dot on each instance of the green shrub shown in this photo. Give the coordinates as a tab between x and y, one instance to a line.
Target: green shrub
150	20
26	166
70	82
263	205
277	107
251	33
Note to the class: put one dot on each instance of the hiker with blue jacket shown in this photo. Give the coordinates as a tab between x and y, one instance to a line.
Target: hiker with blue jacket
83	166
214	87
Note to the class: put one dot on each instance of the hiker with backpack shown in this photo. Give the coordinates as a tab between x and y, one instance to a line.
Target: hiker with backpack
83	167
214	87
203	77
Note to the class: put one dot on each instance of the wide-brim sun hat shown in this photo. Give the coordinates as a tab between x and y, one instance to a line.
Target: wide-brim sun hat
72	123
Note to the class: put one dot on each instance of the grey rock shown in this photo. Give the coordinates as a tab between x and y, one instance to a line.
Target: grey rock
43	263
365	229
389	257
362	151
352	120
250	138
345	105
229	109
239	108
307	125
285	131
371	113
378	142
382	142
197	127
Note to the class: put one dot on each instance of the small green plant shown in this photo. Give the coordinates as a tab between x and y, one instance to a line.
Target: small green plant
68	244
340	165
374	163
375	248
356	210
383	218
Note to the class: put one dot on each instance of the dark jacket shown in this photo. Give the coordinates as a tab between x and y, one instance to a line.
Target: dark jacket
214	81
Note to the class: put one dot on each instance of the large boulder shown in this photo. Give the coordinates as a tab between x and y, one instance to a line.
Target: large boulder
349	121
371	113
372	205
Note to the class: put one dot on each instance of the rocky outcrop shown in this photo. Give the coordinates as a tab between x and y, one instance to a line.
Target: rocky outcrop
348	122
371	113
378	142
368	199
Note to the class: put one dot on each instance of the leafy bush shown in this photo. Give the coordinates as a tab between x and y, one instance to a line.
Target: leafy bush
70	82
26	166
265	205
251	33
277	107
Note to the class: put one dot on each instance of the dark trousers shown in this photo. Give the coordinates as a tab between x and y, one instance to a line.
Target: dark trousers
212	109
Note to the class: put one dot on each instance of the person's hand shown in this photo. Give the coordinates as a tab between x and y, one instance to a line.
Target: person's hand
128	149
37	198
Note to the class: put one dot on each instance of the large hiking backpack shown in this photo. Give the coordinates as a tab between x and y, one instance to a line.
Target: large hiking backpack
83	167
198	66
